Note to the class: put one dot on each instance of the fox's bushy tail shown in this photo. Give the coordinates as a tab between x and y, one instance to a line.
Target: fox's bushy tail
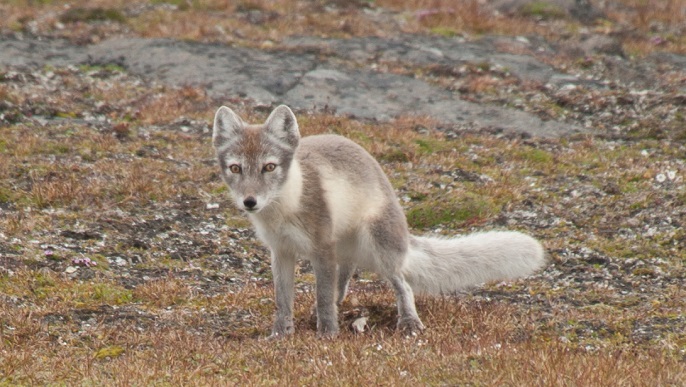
445	265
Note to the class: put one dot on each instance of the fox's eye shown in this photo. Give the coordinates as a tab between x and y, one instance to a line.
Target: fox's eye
269	167
235	168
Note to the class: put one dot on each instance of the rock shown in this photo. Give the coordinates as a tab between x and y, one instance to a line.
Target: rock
304	81
359	325
581	10
71	269
602	44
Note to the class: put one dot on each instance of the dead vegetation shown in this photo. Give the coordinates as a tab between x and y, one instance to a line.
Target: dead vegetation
122	261
639	27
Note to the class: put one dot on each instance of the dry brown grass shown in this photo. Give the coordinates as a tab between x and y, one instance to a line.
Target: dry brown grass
168	330
648	15
483	343
651	25
164	293
181	314
641	26
447	17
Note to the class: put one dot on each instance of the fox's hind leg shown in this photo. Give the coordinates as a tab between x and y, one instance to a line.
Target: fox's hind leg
389	246
408	320
345	272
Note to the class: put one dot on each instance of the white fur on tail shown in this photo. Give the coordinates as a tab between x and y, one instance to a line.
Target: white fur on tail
445	265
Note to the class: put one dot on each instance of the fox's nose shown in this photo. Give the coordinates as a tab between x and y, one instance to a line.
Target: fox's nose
249	202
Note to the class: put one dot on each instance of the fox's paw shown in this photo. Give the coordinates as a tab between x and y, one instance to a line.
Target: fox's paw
327	335
410	326
278	336
281	331
327	330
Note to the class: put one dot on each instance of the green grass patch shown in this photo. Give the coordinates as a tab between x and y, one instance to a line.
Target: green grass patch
56	148
7	195
79	14
430	145
394	155
535	155
467	209
108	67
109	352
106	293
66	115
542	9
447	32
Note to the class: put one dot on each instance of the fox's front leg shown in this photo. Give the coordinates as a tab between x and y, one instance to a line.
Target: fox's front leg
326	275
283	270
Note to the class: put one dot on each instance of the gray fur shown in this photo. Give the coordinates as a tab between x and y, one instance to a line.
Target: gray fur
327	200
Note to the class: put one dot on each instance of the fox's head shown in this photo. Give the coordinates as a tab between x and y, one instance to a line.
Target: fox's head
255	159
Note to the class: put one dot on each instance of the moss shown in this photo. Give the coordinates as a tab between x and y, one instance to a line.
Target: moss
102	262
7	195
425	145
110	352
681	198
432	145
105	293
394	155
108	67
536	156
247	6
444	31
542	10
28	284
78	14
466	209
66	115
483	66
58	149
417	196
359	137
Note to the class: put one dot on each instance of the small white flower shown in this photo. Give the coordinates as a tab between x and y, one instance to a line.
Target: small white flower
660	177
645	153
671	175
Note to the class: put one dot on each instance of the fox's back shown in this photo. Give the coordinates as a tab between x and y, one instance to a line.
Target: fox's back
354	185
342	156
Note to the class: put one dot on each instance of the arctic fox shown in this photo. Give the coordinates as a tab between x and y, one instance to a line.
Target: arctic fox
325	199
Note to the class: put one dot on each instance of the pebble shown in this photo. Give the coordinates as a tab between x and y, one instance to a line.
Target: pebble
71	269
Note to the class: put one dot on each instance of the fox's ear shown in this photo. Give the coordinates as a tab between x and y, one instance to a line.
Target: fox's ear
226	125
283	125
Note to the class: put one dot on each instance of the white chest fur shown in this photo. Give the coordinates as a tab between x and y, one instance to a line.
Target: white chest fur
278	226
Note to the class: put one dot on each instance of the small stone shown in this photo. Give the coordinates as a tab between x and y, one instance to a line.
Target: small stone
359	325
71	269
523	39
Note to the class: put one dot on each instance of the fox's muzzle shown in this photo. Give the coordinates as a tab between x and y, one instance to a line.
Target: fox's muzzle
250	202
